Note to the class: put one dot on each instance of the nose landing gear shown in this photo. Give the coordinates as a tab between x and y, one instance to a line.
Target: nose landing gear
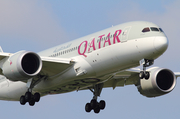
145	74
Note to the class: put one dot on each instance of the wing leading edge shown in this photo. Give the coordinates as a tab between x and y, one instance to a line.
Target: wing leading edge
52	66
127	77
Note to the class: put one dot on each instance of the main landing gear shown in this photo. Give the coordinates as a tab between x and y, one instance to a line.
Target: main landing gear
145	74
94	104
29	97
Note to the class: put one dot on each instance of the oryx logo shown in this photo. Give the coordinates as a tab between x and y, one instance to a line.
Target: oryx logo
10	62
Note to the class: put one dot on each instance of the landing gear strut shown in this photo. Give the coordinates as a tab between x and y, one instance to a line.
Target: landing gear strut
94	104
144	73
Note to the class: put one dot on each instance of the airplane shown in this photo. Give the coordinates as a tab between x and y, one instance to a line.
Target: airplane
108	58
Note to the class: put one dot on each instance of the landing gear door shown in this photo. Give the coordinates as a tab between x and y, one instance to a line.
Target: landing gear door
125	34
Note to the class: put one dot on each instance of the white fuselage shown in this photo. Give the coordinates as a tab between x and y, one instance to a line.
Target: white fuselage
96	56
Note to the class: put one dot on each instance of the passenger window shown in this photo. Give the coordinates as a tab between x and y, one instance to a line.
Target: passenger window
146	30
154	29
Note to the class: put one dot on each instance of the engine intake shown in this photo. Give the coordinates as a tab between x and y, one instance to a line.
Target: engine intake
165	79
22	65
160	82
30	63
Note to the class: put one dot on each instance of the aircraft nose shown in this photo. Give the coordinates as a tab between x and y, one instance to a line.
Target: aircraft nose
161	44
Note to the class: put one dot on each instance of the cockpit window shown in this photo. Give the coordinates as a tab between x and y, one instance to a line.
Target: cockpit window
146	30
161	30
154	29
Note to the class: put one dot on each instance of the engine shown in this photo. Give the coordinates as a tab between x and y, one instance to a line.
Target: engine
160	82
22	66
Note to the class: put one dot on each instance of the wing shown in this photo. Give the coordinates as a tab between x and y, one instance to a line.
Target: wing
52	66
126	77
3	55
119	79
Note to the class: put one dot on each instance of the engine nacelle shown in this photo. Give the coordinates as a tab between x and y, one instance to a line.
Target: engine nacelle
22	66
160	82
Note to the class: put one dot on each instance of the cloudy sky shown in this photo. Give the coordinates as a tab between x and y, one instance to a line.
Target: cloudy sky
36	25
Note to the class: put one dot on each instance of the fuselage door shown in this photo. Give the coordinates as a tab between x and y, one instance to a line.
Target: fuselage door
125	34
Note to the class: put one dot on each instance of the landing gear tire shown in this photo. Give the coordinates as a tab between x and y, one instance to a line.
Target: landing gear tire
141	75
28	96
32	102
97	109
88	107
22	100
37	97
145	75
102	104
93	103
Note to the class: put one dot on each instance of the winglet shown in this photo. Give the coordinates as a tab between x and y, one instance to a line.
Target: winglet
1	50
